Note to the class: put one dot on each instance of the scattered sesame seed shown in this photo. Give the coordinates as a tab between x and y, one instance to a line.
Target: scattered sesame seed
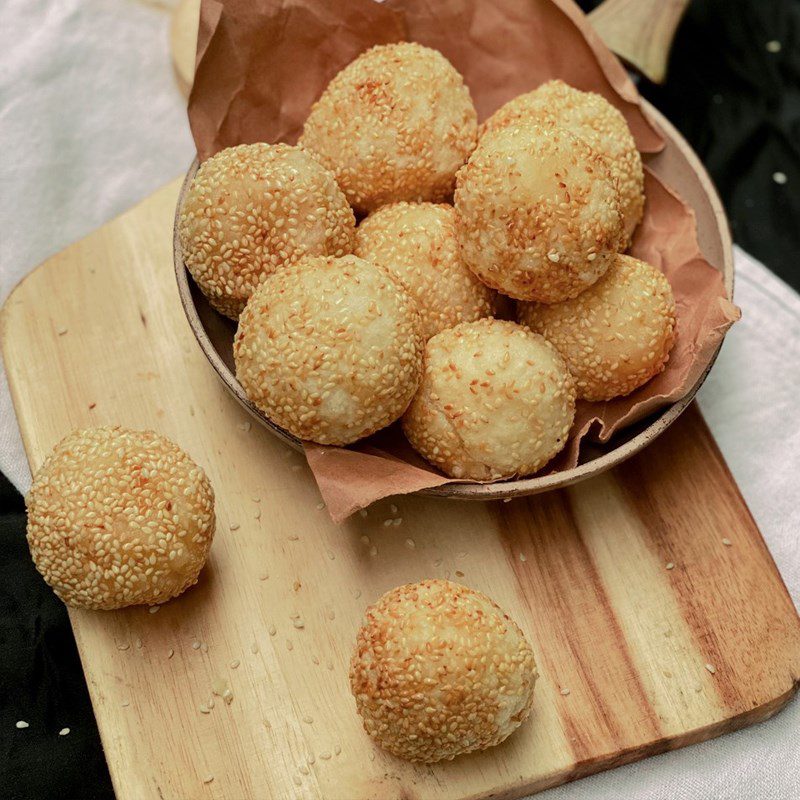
392	509
254	648
523	557
154	609
138	644
437	562
459	573
711	668
362	512
357	593
244	426
289	645
235	663
204	647
299	624
387	523
410	544
22	724
64	732
331	555
365	539
126	703
272	630
325	755
123	646
170	653
397	522
304	770
773	46
311	759
62	331
337	750
315	660
258	514
373	551
235	526
329	665
293	537
195	645
320	506
204	709
779	177
727	542
670	565
263	576
506	499
297	780
256	499
371	756
565	691
308	720
208	779
227	696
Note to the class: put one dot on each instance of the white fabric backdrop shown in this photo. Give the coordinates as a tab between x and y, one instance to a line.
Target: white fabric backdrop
91	122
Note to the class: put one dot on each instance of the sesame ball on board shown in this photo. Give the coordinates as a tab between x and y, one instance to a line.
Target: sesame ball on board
253	208
417	243
330	349
395	124
440	670
538	213
590	116
496	400
617	334
119	517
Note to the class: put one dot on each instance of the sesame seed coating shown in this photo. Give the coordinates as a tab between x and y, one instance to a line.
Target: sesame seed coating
253	208
395	124
330	349
495	400
590	116
118	517
440	670
537	213
417	243
617	334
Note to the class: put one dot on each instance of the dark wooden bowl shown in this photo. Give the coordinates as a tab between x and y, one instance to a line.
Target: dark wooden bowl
677	165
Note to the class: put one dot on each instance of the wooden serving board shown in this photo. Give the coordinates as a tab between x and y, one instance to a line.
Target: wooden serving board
97	335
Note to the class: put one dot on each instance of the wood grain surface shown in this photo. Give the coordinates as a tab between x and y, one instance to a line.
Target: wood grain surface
635	658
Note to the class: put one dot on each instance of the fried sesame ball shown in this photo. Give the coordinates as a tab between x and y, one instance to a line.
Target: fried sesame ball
395	124
417	243
538	213
253	208
496	400
330	349
590	116
617	334
119	517
440	670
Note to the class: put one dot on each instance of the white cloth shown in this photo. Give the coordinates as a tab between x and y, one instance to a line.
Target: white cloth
91	121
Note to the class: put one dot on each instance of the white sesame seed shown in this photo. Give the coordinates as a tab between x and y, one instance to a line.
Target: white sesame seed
272	630
410	544
126	703
254	648
235	663
711	668
337	750
195	645
362	512
22	724
170	653
523	557
308	720
325	755
373	551
387	523
154	609
297	780
235	526
393	509
727	542
204	709
779	177
320	506
244	426
208	779
397	522
124	646
64	732
565	691
204	647
670	565
62	331
773	46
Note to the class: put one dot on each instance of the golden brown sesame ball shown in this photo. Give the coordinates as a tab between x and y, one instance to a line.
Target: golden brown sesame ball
590	116
537	213
330	349
395	124
253	208
417	243
118	517
440	670
617	334
495	400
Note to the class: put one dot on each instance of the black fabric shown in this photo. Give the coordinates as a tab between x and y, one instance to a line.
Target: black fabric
739	106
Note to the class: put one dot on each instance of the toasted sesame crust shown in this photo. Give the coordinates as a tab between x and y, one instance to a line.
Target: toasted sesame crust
119	517
395	124
417	243
590	116
537	213
617	334
330	349
495	401
254	208
440	670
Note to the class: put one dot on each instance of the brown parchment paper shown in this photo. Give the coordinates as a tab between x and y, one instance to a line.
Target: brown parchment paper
262	63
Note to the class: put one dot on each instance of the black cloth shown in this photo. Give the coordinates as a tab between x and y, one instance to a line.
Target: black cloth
739	106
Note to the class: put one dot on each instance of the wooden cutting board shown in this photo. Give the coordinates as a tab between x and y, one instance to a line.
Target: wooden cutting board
635	658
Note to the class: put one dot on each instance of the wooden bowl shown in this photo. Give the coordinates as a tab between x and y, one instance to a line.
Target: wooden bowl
677	165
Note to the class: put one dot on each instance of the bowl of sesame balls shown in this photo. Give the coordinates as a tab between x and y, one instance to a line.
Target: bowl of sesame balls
471	285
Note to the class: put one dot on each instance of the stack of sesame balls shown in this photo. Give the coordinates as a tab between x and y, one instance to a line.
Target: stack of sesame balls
344	329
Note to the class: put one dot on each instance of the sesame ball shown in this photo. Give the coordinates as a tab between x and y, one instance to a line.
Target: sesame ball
496	400
417	243
590	116
253	208
395	124
617	334
538	213
440	670
330	349
119	517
